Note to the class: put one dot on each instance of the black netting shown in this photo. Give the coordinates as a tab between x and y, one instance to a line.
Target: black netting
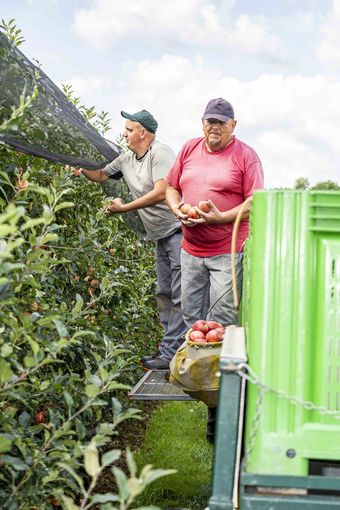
52	128
118	188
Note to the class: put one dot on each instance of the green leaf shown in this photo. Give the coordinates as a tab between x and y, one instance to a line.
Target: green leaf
116	405
92	390
17	464
49	237
69	401
6	350
104	498
121	480
29	361
31	223
91	459
154	474
70	470
34	345
110	457
78	306
5	230
61	328
5	371
131	463
135	486
69	503
82	333
63	205
5	442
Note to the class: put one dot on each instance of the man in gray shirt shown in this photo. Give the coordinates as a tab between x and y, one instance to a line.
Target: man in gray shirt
144	168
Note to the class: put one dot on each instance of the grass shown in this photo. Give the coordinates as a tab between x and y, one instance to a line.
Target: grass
175	438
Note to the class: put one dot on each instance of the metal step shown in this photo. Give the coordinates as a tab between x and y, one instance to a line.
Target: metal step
154	385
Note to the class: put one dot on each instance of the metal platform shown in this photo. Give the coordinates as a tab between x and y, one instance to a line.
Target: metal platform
154	385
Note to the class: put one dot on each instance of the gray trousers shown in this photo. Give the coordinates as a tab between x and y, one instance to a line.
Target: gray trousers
168	294
207	285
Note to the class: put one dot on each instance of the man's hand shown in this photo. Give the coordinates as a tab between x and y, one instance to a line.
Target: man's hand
76	171
181	216
214	216
115	206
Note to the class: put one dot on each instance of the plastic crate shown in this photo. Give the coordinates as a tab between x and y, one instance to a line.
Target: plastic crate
291	315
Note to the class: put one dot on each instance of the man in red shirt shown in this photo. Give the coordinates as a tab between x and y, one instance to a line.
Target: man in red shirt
224	171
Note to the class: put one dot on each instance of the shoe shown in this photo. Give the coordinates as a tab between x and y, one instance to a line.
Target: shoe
152	356
156	364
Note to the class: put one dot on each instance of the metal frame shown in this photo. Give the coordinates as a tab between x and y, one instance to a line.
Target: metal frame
284	498
229	422
154	385
255	491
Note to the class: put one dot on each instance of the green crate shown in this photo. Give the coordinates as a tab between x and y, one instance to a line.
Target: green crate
291	315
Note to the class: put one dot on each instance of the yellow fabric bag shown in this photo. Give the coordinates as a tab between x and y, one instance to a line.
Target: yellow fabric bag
195	369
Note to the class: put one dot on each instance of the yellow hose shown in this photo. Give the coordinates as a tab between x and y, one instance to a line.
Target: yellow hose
233	250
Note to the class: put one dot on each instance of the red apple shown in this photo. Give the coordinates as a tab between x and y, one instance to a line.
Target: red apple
213	336
193	214
185	208
214	325
204	205
220	330
197	336
200	325
40	417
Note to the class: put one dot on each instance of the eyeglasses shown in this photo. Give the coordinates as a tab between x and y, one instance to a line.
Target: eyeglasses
215	121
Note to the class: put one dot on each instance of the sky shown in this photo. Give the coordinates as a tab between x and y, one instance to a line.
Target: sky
276	61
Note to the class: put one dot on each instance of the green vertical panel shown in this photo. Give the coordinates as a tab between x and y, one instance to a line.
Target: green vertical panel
325	223
291	318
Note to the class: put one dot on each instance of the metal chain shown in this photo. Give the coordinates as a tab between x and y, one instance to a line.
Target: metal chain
306	404
247	373
255	421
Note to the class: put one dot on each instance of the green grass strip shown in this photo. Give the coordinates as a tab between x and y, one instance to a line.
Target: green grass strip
175	438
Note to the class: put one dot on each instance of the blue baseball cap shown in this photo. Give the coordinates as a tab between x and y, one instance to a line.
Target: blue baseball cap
219	109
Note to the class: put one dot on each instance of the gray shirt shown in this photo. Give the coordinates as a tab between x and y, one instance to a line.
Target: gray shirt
140	176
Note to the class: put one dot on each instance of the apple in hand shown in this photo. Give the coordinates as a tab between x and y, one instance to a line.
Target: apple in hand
185	208
193	214
200	325
204	205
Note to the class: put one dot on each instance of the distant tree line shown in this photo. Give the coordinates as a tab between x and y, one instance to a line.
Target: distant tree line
303	183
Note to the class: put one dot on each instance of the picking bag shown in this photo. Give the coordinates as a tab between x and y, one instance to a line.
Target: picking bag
195	369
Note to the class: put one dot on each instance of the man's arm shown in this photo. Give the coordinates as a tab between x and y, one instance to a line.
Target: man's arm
153	197
174	201
217	217
173	198
92	175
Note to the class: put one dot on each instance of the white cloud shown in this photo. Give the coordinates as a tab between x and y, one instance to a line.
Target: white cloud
87	87
287	120
329	48
193	22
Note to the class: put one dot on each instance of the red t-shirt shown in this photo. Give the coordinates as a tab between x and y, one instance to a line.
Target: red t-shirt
227	177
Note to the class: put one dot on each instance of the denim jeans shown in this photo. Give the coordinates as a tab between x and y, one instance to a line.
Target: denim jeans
207	288
168	294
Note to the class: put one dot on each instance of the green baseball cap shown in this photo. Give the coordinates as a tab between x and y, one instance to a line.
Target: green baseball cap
144	118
